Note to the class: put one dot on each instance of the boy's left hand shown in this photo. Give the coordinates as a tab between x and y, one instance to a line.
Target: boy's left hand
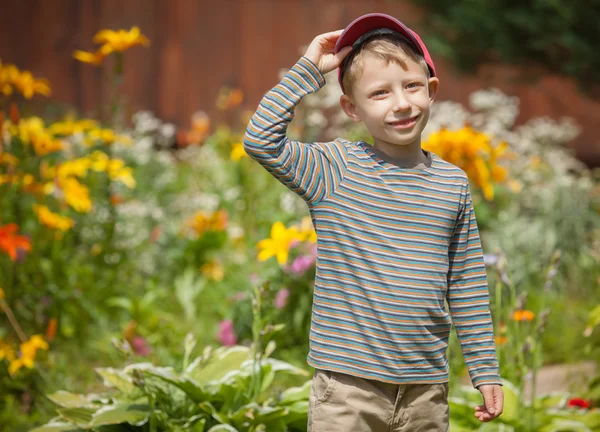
493	402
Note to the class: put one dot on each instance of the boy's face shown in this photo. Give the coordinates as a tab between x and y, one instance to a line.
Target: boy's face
392	100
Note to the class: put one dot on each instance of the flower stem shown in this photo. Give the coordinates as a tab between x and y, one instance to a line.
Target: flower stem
13	321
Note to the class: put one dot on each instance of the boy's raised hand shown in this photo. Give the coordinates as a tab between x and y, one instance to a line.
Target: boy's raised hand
493	402
320	51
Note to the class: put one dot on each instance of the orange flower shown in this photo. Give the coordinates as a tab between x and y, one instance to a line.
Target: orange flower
523	315
10	242
205	221
51	329
500	340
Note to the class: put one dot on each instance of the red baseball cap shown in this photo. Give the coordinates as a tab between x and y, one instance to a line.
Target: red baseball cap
374	21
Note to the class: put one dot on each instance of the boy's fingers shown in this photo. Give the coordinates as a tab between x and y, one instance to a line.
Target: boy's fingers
488	398
343	53
500	401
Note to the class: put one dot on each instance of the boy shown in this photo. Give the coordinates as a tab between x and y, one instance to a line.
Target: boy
396	237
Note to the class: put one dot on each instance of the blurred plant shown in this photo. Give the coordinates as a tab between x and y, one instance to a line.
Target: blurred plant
228	388
116	42
28	348
520	353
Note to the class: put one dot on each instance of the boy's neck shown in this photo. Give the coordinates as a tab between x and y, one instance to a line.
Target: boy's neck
406	156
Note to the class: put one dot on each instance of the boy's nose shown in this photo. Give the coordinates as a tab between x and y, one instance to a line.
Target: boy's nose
400	102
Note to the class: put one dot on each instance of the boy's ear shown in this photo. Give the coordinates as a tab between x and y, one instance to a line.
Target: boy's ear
434	83
349	108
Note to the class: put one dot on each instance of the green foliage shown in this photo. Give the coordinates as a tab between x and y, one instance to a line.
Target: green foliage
554	36
214	393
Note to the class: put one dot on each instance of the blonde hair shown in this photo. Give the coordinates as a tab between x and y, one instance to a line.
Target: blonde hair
389	48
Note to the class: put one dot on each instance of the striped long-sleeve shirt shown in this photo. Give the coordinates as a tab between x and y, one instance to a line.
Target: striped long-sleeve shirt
393	245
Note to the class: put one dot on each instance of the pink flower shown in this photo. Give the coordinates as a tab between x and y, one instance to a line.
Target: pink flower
294	243
281	298
254	278
226	335
301	264
140	346
239	296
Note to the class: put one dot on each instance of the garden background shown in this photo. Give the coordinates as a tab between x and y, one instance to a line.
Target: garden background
153	277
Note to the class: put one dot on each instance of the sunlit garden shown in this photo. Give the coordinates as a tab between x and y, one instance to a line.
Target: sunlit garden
155	278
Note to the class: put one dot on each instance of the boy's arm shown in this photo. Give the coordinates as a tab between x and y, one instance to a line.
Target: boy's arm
312	170
468	297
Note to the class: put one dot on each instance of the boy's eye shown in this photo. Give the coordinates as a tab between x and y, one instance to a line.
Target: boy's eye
414	85
378	93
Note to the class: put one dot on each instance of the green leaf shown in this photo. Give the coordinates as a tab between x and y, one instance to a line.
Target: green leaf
279	365
78	416
496	427
222	428
563	425
121	302
551	400
456	427
187	288
57	426
195	391
294	394
135	414
66	399
222	361
118	379
510	412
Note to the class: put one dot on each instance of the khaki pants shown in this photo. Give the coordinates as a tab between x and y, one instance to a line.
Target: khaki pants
344	403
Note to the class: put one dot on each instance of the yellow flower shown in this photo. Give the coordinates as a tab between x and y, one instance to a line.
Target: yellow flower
213	270
52	220
307	231
238	152
8	159
28	85
125	176
6	351
278	244
28	352
515	186
111	41
474	153
107	136
34	343
44	144
120	40
70	127
523	315
24	81
95	59
74	193
32	131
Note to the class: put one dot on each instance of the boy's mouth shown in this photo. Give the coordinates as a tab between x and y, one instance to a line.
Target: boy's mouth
404	124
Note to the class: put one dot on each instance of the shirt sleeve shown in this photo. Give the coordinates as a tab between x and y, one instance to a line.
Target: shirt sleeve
311	170
468	297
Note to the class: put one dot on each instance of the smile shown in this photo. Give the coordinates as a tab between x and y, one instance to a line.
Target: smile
404	124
